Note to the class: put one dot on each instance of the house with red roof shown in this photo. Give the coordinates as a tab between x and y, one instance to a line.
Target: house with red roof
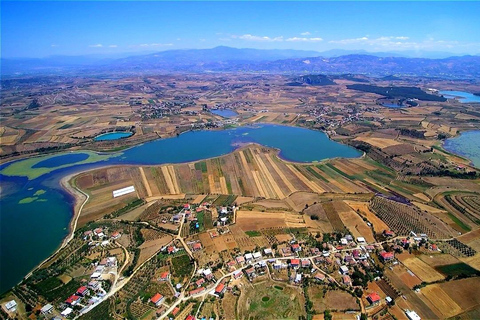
157	299
305	263
186	206
295	263
319	276
199	282
82	291
386	256
175	311
72	300
164	276
115	235
190	317
373	298
220	289
250	272
347	280
240	259
197	291
388	233
197	246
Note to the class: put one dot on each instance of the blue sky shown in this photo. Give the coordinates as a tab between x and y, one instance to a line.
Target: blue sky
38	29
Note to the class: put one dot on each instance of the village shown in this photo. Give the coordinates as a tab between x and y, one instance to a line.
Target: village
337	262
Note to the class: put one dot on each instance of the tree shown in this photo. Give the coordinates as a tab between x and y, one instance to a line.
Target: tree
327	315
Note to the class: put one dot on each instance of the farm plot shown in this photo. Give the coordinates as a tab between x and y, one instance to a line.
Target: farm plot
422	270
340	300
403	219
257	220
445	306
464	292
154	241
362	207
317	218
332	215
270	301
353	222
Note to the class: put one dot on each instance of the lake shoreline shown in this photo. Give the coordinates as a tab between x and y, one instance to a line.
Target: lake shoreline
65	182
80	199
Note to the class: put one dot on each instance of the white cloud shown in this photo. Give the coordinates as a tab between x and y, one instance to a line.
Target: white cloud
306	33
349	41
304	39
399	43
54	45
99	45
145	45
249	37
113	46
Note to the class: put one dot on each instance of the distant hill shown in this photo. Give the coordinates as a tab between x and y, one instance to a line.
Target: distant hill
313	80
226	59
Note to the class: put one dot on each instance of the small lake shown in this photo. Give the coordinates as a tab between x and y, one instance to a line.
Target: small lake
466	145
463	97
393	105
112	136
36	212
61	160
226	113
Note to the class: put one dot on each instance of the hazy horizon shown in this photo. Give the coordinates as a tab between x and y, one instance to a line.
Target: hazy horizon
75	28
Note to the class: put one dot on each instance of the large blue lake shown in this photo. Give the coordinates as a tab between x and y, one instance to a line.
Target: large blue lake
467	145
464	97
35	213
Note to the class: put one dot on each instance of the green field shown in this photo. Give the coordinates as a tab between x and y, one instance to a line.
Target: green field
457	269
268	302
253	233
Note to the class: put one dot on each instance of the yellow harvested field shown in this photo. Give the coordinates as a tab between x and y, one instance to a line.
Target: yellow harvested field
199	199
379	142
168	180
167	196
427	207
145	182
242	200
353	222
287	182
422	270
422	196
271	181
362	207
441	301
257	220
313	186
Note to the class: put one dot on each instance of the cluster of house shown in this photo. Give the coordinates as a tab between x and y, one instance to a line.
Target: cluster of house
91	293
105	266
188	212
203	278
99	236
225	214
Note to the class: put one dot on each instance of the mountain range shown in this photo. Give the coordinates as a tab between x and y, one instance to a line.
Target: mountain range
227	59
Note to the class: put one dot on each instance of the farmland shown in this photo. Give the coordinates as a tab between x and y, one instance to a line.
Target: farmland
187	218
267	302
